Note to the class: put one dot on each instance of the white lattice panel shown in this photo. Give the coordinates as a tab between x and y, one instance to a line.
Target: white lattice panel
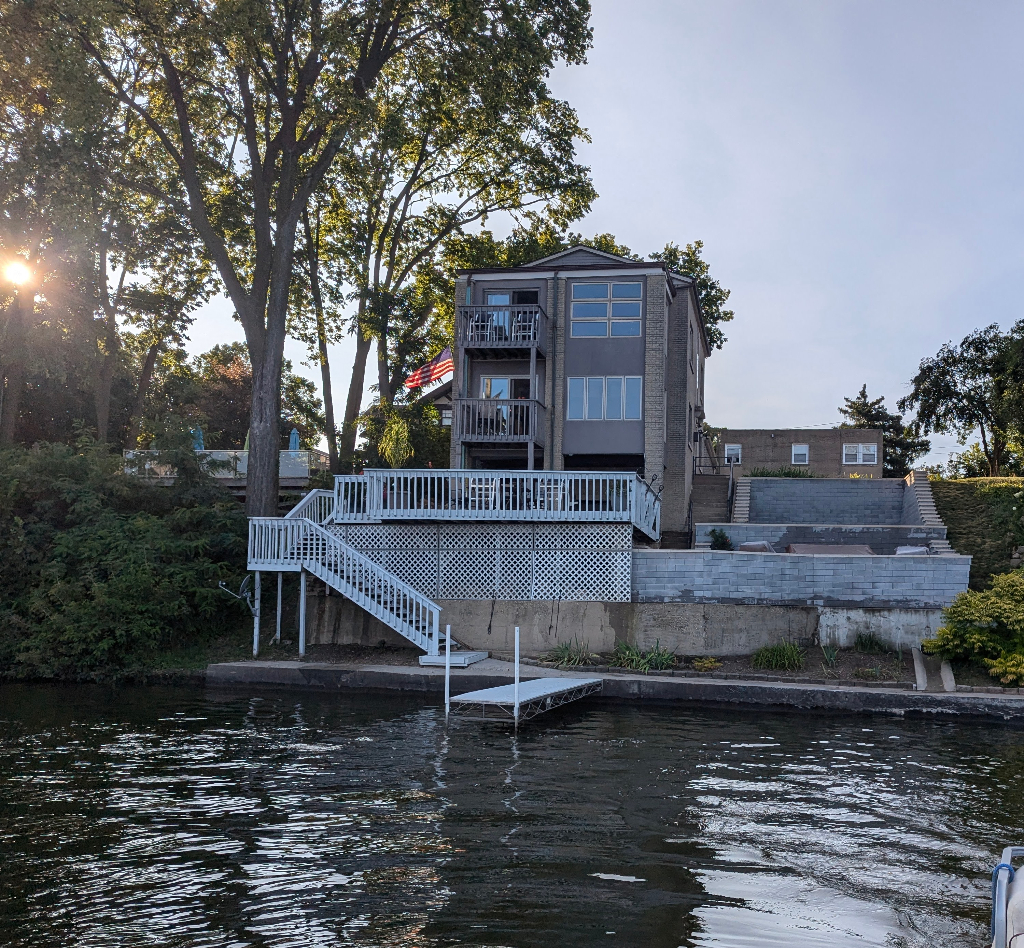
514	570
588	576
381	536
487	536
467	574
418	568
584	536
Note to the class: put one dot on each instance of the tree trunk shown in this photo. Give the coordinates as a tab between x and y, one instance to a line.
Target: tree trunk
354	402
383	373
321	341
105	380
145	378
14	370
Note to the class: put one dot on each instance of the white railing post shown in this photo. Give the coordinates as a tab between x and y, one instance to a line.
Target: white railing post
302	612
256	618
516	687
280	584
447	670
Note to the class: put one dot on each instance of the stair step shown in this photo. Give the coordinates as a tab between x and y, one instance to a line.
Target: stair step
458	659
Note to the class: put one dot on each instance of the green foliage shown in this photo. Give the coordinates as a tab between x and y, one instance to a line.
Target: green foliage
786	656
869	643
1009	669
830	654
636	659
427	439
779	472
101	572
984	624
572	653
711	294
902	444
984	519
719	539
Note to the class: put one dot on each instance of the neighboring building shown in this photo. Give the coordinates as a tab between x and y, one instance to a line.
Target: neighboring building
581	361
824	452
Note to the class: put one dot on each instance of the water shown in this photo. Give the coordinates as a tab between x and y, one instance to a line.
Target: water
173	817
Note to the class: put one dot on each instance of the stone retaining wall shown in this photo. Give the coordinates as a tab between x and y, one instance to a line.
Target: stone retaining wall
826	500
882	539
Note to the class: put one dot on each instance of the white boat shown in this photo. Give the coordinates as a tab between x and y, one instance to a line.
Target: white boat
1008	901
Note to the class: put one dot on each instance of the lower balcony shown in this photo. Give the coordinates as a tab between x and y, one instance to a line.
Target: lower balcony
498	420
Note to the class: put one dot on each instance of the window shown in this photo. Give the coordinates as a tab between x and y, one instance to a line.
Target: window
733	454
860	454
492	387
801	454
615	398
689	425
446	417
606	309
692	356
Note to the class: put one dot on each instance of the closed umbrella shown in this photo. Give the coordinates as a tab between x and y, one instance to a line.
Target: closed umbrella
197	439
293	440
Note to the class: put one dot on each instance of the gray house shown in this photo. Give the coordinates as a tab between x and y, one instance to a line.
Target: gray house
582	361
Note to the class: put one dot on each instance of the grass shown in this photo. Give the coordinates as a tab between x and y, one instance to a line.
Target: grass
983	521
831	655
869	644
786	656
575	652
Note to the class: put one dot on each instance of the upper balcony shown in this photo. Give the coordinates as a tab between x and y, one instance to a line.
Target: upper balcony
502	331
498	420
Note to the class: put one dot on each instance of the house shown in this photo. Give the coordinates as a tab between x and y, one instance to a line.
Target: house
823	452
581	361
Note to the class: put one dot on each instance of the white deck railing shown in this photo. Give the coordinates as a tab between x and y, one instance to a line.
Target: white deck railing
295	543
317	505
227	464
529	496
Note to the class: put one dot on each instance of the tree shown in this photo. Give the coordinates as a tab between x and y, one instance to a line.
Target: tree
963	389
711	294
902	444
246	105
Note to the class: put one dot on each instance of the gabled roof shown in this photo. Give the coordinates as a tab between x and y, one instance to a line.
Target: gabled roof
583	255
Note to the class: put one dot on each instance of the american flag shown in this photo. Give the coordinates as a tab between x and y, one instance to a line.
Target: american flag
440	365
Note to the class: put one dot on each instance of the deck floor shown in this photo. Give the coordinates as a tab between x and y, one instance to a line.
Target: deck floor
536	696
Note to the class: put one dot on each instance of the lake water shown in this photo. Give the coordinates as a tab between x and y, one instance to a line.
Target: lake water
170	816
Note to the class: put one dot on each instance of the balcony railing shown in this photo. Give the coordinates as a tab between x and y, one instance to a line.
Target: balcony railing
502	327
379	495
232	465
498	420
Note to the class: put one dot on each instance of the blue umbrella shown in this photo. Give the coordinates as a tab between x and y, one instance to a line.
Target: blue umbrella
197	439
293	440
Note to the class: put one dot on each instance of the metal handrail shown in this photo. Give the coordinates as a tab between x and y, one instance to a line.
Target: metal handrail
276	542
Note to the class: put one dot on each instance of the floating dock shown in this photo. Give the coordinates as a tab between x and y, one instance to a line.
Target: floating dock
536	696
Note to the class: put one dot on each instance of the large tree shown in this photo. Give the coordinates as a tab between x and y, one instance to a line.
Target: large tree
712	295
902	444
246	104
964	389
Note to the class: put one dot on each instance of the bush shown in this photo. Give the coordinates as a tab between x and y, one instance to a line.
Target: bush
719	539
576	652
1009	669
635	659
779	472
987	624
102	572
787	656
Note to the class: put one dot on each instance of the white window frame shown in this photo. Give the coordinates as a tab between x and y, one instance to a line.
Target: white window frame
804	449
736	449
860	452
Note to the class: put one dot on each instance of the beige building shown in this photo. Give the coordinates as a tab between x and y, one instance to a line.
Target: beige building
824	452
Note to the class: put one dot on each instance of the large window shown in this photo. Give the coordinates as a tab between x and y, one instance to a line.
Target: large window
606	309
611	398
860	454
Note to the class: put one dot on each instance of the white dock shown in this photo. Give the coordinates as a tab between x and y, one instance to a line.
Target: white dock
536	696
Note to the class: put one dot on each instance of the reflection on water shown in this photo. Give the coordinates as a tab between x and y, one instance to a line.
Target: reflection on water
174	817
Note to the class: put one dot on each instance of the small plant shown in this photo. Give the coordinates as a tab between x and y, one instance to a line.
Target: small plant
1008	668
831	655
575	652
719	539
786	656
779	472
706	664
867	674
658	658
869	643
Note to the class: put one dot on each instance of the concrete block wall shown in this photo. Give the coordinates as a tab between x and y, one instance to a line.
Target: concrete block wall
915	582
826	500
883	539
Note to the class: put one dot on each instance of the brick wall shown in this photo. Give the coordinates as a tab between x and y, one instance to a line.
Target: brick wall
825	500
918	582
883	540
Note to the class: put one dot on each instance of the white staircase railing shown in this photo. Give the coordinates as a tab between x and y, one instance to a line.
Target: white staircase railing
293	543
317	505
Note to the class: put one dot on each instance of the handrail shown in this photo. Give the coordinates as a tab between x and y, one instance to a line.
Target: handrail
498	419
298	542
500	327
530	496
317	505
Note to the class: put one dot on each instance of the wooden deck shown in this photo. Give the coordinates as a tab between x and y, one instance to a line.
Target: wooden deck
536	696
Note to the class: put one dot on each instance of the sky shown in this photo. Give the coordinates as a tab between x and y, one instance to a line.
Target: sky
853	168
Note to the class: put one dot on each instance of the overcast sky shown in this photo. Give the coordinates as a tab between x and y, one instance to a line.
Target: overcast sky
854	170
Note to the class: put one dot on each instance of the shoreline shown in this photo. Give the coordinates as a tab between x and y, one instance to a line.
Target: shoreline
619	686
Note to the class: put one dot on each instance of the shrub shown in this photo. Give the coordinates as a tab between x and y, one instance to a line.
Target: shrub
779	472
1009	669
658	658
636	659
831	655
787	656
985	624
575	652
706	664
869	643
719	539
102	572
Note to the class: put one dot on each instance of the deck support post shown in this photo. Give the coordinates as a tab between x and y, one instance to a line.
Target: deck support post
257	590
280	583
447	671
515	708
533	395
302	612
